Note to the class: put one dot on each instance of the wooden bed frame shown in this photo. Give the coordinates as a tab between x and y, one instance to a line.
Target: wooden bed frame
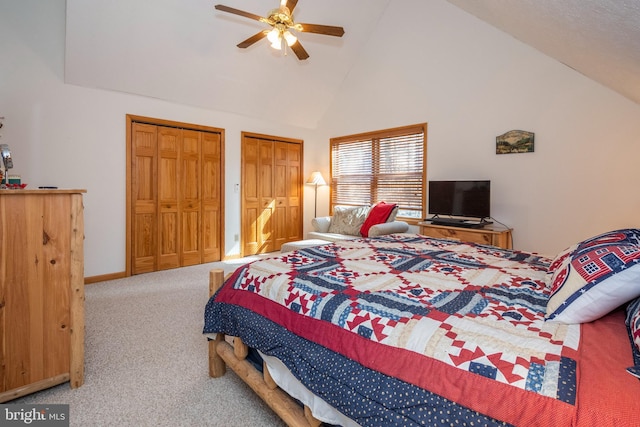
232	352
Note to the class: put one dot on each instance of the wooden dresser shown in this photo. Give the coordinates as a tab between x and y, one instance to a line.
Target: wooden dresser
41	290
491	234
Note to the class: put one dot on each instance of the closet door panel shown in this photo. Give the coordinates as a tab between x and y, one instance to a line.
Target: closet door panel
281	191
190	203
191	240
144	241
168	249
210	234
250	231
144	195
294	192
211	197
251	203
266	226
169	140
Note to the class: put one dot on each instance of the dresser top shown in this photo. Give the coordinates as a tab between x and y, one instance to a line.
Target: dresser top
8	192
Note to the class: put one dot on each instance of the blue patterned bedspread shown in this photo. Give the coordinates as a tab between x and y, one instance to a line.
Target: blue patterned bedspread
408	330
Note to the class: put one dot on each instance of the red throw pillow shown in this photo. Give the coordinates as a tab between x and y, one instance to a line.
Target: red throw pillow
377	215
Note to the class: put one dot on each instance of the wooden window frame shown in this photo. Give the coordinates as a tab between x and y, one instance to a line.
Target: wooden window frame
366	170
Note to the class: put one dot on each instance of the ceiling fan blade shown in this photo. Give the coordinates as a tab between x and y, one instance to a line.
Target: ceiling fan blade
253	39
291	4
327	30
300	52
238	12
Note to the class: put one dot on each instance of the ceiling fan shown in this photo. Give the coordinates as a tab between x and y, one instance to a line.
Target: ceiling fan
281	21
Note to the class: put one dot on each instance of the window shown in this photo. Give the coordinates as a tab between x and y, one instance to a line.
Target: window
387	165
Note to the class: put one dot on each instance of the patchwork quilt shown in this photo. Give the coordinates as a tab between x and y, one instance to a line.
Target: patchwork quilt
410	330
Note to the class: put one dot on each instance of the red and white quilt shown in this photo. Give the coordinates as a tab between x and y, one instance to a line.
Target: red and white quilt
463	321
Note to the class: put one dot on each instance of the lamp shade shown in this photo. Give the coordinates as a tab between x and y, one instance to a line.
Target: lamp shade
316	179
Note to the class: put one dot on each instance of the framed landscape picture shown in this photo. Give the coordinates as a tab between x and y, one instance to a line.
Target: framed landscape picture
515	141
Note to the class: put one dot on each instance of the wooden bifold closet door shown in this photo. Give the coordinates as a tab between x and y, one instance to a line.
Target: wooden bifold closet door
176	193
271	193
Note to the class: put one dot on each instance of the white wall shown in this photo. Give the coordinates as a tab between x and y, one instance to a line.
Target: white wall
471	82
436	64
74	137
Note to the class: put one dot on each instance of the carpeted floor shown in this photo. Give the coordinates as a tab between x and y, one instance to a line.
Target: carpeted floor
146	358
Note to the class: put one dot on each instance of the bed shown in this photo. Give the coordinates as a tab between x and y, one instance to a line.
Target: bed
409	330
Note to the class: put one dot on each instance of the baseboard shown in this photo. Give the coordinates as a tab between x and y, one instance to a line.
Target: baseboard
104	277
123	274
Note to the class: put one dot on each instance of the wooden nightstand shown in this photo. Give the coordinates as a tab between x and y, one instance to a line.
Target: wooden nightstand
491	234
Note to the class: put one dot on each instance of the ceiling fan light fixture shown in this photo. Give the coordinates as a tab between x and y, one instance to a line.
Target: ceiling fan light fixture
274	36
277	45
289	38
282	22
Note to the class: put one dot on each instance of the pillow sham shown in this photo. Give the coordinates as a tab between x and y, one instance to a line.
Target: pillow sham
596	276
633	326
378	214
348	220
562	258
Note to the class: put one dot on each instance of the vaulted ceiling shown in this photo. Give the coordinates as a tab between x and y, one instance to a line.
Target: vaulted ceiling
598	38
185	51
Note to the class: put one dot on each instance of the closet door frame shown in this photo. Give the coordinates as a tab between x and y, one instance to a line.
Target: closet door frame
130	119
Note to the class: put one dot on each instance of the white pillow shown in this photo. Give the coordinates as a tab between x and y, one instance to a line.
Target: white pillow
348	220
597	276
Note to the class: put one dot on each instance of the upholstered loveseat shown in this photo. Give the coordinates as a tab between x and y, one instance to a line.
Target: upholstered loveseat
356	222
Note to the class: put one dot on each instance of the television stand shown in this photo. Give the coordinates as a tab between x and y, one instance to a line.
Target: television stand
489	234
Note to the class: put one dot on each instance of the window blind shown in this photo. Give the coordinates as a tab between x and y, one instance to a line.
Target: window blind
386	165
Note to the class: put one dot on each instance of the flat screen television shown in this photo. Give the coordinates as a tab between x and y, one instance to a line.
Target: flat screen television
467	199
